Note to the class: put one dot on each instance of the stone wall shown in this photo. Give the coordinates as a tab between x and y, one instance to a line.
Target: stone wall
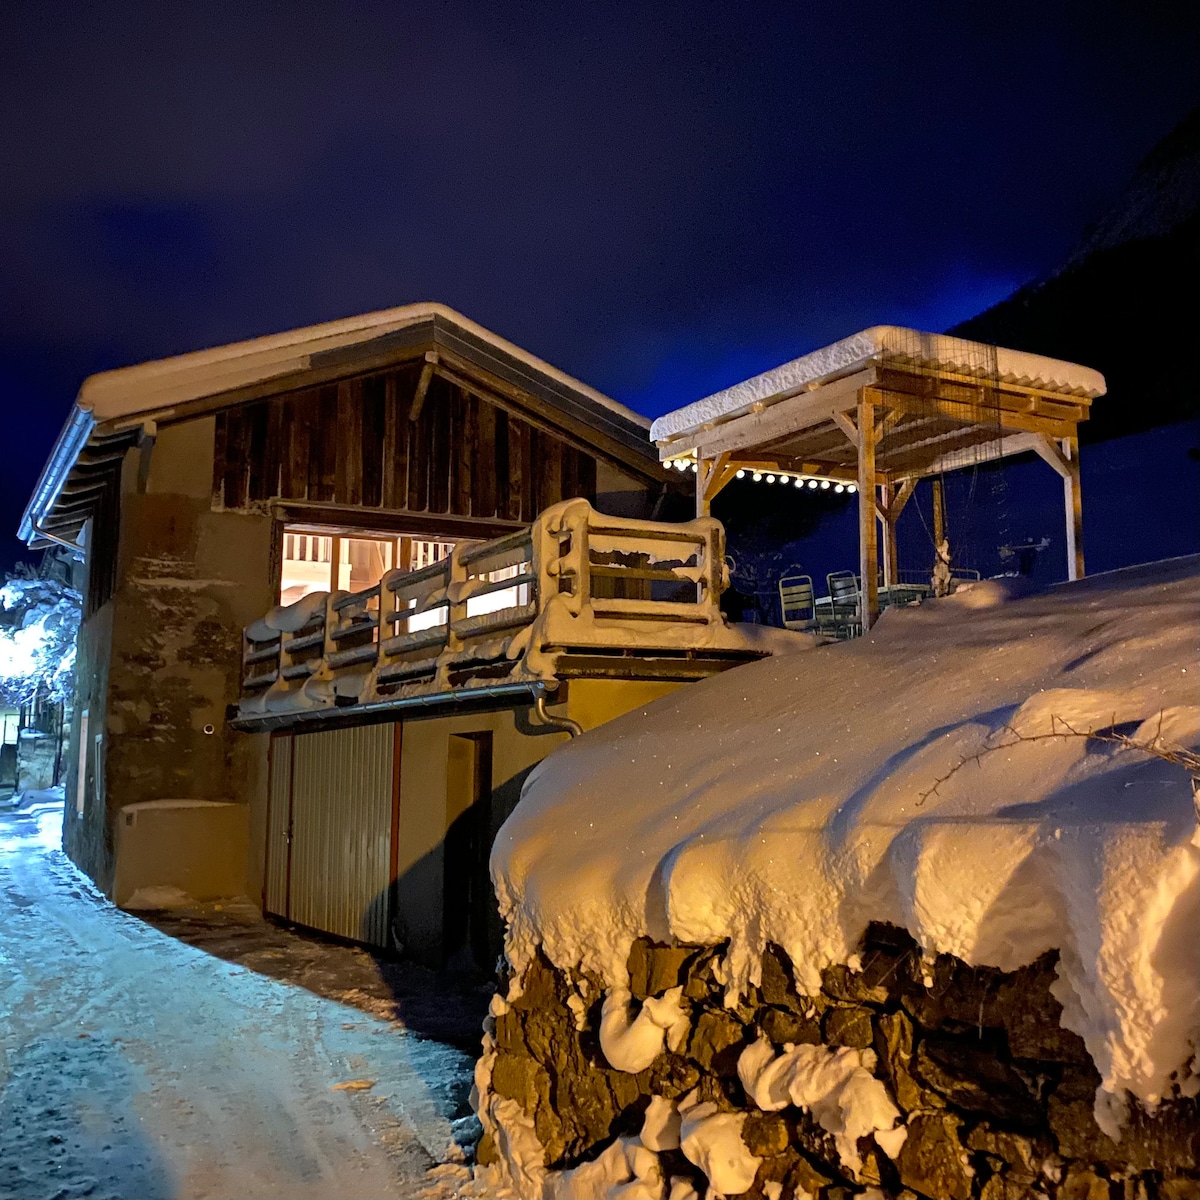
996	1098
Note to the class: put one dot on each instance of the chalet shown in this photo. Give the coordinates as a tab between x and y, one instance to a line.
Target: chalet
344	587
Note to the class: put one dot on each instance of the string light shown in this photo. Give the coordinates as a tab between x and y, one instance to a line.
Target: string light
784	477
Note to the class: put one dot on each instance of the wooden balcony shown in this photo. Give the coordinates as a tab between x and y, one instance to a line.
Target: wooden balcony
576	594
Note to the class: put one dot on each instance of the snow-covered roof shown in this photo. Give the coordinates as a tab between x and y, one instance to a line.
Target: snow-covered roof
878	344
797	799
161	388
149	386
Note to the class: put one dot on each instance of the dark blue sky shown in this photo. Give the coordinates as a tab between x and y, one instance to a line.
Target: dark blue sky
660	198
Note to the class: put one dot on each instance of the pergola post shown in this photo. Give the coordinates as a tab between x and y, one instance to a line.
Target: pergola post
887	530
1073	502
1065	461
868	554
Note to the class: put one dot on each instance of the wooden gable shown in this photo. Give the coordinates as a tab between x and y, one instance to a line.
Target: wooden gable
400	440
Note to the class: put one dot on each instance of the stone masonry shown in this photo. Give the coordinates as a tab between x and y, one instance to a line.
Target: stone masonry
997	1096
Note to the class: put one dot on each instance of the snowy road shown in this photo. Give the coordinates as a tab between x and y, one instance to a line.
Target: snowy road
133	1065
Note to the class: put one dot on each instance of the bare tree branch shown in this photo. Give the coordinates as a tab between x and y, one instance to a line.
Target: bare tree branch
1178	756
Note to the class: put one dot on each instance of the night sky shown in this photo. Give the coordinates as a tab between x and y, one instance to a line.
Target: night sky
659	198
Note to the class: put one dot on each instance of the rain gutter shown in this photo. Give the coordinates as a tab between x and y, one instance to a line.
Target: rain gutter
63	457
494	691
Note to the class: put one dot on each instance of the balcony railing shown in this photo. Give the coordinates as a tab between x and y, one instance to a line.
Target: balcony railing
576	591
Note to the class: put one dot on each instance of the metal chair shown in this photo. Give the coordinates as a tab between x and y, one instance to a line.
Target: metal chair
797	602
841	617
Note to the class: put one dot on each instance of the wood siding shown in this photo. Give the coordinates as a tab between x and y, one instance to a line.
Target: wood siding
354	444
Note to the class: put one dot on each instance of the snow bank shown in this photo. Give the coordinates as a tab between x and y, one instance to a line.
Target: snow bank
796	799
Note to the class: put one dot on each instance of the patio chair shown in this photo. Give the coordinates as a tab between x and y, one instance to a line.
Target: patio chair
841	615
797	602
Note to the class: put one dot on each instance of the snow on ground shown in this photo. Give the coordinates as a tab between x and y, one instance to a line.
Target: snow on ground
134	1065
791	801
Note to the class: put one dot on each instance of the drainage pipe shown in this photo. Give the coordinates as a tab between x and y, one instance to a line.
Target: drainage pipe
547	718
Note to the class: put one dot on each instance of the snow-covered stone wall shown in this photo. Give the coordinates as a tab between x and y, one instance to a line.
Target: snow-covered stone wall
990	795
909	1074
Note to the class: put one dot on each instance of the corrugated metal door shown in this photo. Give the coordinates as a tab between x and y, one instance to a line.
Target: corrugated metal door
342	785
279	819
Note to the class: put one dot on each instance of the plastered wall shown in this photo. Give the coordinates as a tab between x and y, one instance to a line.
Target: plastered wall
160	662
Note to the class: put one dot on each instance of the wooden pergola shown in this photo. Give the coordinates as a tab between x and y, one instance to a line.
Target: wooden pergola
881	411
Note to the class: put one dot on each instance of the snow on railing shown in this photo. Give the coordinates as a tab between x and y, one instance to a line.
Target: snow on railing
503	611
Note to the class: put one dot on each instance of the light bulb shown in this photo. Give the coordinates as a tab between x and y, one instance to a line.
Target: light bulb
824	483
840	488
799	481
757	477
812	483
741	475
852	487
694	467
770	478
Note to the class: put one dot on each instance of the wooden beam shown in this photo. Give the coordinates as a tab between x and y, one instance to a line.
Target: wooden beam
887	533
886	424
1008	395
540	417
902	497
845	422
967	412
952	460
418	400
888	508
791	414
1047	450
868	557
891	505
781	466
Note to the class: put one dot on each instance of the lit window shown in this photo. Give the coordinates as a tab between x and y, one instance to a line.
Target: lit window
327	560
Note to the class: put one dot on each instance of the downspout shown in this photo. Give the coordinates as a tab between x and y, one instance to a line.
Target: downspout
547	718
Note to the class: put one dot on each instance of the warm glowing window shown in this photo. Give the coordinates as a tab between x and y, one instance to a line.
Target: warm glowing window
325	560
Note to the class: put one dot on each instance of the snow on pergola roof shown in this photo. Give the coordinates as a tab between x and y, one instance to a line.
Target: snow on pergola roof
880	411
880	343
112	406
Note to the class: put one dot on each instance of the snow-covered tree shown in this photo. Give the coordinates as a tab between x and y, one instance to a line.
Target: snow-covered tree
39	620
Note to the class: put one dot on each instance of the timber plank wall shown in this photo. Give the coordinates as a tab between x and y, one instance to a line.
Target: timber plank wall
353	444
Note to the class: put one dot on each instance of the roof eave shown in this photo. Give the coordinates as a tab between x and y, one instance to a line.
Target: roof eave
67	448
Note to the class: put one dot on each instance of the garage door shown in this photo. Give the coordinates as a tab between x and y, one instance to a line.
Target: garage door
330	826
